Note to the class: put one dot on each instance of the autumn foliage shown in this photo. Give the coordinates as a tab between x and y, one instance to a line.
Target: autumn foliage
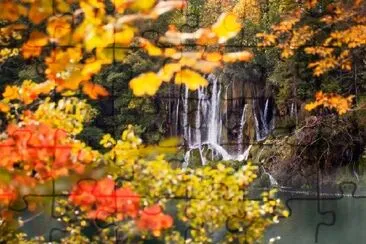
330	34
107	38
38	152
331	101
102	199
73	41
336	32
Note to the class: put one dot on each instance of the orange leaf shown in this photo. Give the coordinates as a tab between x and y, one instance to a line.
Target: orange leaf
244	56
213	57
4	107
40	10
94	91
33	47
58	27
10	10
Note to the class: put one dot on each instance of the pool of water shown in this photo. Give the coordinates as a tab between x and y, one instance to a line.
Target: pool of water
332	217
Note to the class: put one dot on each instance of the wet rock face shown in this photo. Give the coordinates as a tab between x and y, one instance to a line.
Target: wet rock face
233	112
323	145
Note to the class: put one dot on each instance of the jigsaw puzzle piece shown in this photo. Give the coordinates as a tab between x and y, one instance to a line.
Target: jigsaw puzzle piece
307	212
38	218
348	207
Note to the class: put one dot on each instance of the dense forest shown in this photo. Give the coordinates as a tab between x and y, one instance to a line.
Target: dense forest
175	121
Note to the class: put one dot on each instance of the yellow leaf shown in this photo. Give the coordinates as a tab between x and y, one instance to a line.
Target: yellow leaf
167	72
142	5
226	27
169	145
63	7
120	5
44	88
68	93
124	37
191	79
93	40
111	53
311	106
186	61
94	11
92	67
147	83
11	92
150	48
170	52
72	82
170	142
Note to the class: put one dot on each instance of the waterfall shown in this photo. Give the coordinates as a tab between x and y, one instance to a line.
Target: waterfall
176	125
214	126
272	180
244	155
292	110
241	128
263	126
187	156
266	110
186	129
202	124
197	127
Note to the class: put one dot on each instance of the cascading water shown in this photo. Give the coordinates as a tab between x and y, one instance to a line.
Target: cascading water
202	123
186	128
262	123
294	112
272	180
214	112
197	125
241	128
